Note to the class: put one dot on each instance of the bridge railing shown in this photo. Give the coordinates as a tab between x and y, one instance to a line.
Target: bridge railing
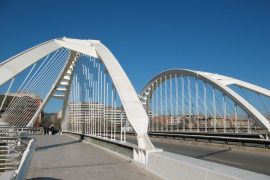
21	172
15	131
251	142
15	164
16	150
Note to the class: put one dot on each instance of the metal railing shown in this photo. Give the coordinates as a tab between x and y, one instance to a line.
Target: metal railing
16	151
21	172
243	141
14	131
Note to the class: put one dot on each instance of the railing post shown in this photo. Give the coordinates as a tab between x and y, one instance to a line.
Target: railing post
82	124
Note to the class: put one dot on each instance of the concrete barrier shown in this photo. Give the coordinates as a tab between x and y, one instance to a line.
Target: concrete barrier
173	166
178	167
119	147
127	149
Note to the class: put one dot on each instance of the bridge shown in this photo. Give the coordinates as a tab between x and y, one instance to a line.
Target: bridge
101	109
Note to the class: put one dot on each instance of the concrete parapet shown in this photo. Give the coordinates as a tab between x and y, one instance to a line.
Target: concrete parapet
127	149
119	147
173	166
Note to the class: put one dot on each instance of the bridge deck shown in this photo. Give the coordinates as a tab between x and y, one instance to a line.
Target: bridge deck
62	157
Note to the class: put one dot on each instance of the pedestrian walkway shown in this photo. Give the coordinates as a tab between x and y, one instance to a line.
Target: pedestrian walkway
61	157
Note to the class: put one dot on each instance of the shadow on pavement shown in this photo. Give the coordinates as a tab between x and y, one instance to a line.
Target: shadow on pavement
40	148
86	165
43	178
212	153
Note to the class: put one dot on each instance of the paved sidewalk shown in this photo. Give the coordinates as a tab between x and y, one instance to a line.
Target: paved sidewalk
61	157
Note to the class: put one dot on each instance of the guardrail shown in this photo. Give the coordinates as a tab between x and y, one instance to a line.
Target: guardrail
21	172
15	162
242	139
243	135
209	138
16	151
9	155
227	134
13	131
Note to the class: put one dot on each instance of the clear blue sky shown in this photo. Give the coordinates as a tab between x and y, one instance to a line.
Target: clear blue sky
230	37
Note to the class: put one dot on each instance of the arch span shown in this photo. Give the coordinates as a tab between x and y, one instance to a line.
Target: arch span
128	96
219	82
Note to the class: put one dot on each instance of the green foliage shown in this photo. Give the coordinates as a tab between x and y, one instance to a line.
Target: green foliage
51	119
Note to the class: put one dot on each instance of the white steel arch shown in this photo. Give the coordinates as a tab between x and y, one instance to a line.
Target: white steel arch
221	83
225	80
128	96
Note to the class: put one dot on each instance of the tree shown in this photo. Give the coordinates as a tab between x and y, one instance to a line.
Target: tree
46	121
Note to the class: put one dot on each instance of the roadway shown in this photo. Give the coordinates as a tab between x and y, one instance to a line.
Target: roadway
256	162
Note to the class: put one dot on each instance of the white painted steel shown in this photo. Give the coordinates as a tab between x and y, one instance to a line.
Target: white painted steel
221	83
52	90
225	80
8	90
128	96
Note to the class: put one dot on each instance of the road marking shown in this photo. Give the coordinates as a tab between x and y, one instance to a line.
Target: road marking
224	161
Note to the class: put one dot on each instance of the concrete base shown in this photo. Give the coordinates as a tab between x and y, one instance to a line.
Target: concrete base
173	166
116	146
124	148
